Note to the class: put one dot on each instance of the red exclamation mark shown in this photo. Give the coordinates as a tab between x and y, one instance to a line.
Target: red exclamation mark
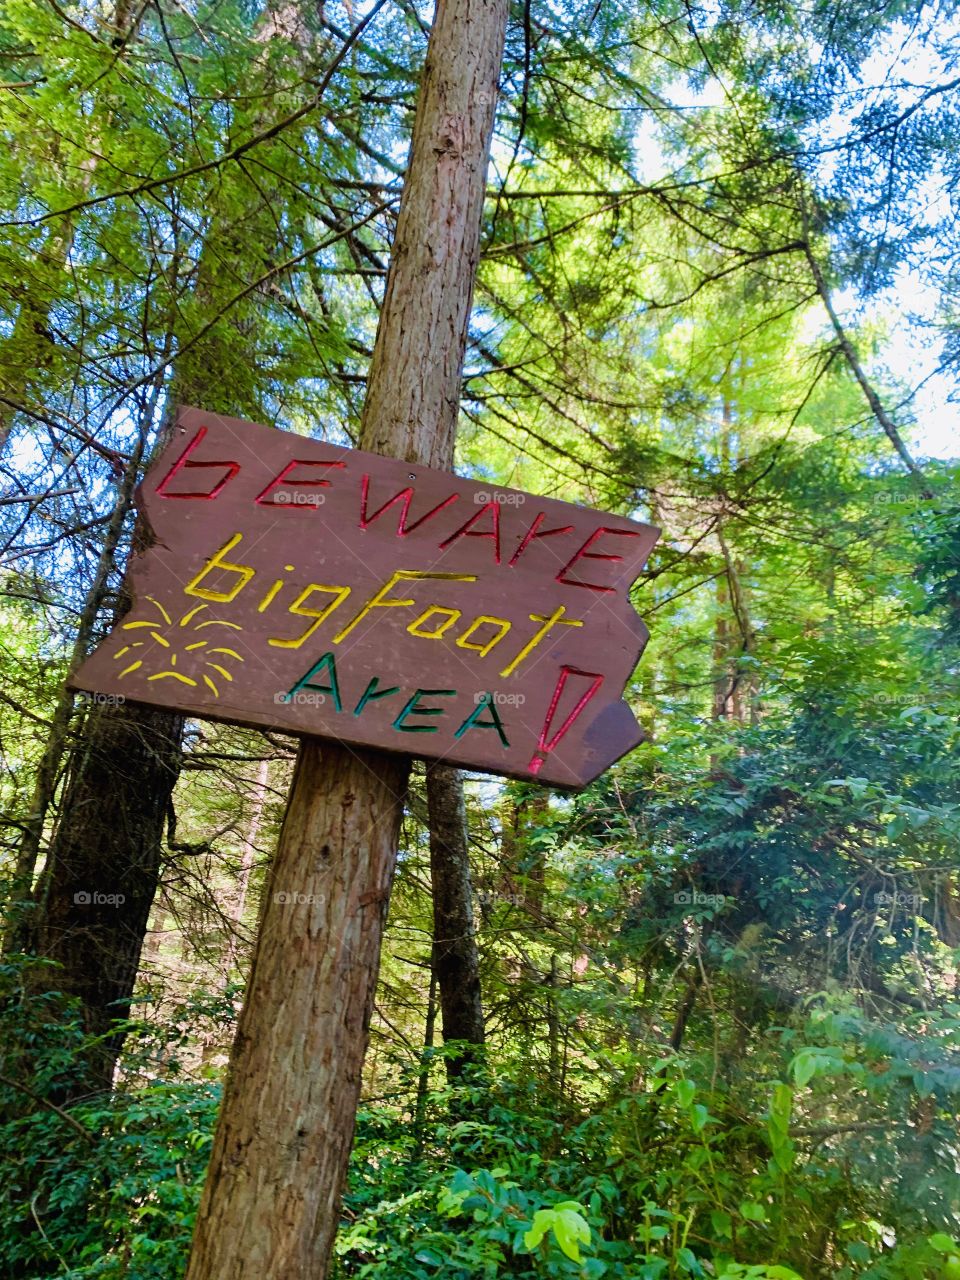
544	746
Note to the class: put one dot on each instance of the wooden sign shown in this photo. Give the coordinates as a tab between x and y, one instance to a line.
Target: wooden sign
313	589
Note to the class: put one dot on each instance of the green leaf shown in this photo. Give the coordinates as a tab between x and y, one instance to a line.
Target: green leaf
781	1105
686	1091
857	1251
571	1229
722	1223
593	1269
689	1262
805	1066
943	1243
752	1211
784	1155
542	1222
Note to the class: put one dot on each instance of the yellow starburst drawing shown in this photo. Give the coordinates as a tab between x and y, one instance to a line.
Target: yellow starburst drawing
167	644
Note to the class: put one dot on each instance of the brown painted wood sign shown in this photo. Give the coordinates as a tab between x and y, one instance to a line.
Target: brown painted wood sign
315	589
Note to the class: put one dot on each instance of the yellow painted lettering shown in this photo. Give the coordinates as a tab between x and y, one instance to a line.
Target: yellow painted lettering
273	589
217	561
319	615
556	618
415	626
463	642
379	599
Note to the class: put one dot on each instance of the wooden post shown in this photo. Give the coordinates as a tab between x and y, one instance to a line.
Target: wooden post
271	1200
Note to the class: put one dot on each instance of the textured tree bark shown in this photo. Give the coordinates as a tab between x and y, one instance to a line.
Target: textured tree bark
270	1204
456	963
300	1045
413	394
96	890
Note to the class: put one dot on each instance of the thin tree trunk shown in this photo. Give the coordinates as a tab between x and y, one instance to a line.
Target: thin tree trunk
246	866
523	863
270	1204
734	680
856	368
48	770
153	942
733	617
553	1024
456	963
109	835
721	654
685	1008
423	1078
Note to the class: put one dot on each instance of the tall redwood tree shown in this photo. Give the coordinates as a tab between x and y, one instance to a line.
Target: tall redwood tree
270	1204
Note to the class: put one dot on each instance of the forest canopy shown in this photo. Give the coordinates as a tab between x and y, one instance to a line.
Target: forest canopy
699	1019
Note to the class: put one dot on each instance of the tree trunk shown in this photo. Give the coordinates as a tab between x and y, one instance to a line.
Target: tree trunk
95	893
270	1204
126	761
855	365
523	862
553	1024
246	867
455	960
423	1077
16	936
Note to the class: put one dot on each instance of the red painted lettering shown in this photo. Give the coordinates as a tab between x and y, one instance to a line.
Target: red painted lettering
295	500
465	530
544	746
406	497
183	464
536	532
584	554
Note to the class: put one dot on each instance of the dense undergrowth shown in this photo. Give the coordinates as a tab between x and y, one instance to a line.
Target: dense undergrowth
828	1151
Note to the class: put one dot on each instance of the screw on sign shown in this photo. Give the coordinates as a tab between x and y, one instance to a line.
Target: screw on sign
409	610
